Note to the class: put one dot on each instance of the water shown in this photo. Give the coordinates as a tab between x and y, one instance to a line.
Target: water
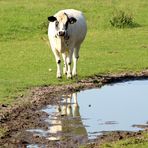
84	115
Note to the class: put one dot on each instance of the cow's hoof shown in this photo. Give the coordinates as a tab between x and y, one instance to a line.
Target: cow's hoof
59	76
75	75
69	76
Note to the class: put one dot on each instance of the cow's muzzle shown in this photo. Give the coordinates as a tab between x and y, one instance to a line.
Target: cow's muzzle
61	33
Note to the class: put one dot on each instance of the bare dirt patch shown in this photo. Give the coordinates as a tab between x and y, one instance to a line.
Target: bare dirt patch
25	113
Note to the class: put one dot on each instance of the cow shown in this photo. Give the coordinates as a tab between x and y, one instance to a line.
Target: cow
66	31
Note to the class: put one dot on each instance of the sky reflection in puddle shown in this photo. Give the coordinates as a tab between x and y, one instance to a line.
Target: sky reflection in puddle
88	113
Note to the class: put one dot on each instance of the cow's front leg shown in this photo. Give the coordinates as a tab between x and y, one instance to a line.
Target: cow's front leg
69	60
58	62
65	63
59	70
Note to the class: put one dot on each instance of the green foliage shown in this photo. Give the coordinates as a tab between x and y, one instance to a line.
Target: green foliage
121	19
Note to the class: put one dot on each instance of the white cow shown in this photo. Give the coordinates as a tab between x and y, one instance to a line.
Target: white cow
67	30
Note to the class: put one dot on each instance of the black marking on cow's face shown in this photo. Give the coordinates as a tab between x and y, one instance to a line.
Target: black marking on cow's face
66	25
70	20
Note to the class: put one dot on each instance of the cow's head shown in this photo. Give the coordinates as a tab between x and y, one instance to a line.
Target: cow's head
62	22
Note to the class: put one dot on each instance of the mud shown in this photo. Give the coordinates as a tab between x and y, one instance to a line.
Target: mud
25	114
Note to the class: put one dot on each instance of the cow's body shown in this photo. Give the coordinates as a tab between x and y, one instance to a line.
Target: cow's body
66	32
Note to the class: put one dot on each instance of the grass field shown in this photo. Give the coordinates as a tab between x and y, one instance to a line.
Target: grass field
25	58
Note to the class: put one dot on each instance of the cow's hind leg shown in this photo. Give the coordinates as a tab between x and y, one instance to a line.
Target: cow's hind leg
75	59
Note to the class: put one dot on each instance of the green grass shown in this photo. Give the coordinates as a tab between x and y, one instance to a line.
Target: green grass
139	142
25	58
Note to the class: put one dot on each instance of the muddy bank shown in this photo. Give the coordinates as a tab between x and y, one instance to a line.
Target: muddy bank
25	114
116	136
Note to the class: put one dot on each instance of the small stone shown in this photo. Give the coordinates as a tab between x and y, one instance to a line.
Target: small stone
50	69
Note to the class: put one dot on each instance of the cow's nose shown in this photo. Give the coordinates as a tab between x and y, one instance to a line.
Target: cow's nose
61	33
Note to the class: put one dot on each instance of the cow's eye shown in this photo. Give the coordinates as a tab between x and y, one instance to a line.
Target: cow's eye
56	23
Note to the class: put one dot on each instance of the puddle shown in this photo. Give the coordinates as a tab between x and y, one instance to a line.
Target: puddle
82	116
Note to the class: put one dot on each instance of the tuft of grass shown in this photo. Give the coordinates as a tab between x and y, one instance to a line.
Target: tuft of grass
43	27
122	19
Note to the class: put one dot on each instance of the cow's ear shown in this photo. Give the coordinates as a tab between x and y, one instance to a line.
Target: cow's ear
72	20
52	18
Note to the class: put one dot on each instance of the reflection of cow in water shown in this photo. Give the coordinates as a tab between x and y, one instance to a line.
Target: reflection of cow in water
66	124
